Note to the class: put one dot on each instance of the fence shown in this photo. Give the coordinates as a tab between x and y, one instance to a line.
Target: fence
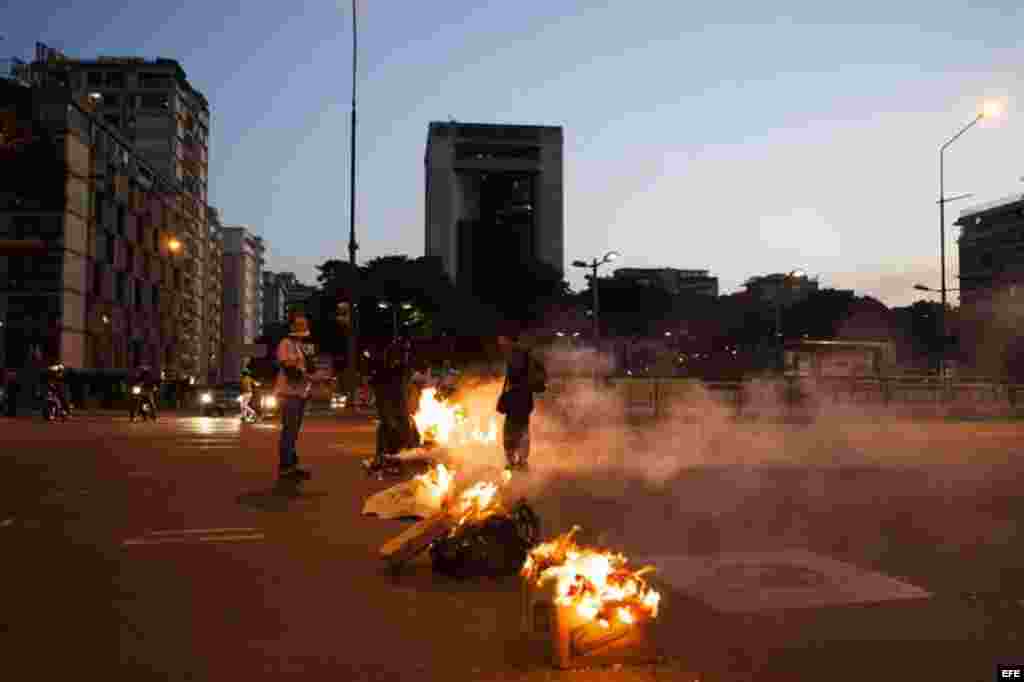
801	396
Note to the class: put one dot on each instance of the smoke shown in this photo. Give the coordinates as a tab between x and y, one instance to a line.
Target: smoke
836	475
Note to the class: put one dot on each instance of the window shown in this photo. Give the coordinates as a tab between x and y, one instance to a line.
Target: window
156	297
97	279
113	101
154	102
115	79
119	292
94	79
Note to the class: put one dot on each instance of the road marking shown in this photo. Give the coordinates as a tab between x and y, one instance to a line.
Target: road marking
186	535
200	538
203	531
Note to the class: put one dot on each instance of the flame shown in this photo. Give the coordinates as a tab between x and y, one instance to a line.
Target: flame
597	583
449	424
438	482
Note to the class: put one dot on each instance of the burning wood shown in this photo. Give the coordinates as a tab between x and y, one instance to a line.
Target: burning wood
438	484
447	424
598	584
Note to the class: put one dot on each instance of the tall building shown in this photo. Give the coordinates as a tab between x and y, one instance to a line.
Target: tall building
674	281
150	101
111	287
781	288
493	192
991	247
275	297
243	295
213	298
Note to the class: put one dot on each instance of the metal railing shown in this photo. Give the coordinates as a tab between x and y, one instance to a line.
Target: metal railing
913	394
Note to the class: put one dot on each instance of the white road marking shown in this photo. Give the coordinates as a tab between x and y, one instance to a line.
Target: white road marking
203	531
199	538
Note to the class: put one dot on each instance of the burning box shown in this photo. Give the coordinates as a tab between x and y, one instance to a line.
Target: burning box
589	607
573	640
416	539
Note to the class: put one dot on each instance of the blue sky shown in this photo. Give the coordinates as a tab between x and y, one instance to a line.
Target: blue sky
740	137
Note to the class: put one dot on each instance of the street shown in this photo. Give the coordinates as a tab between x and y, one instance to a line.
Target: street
160	551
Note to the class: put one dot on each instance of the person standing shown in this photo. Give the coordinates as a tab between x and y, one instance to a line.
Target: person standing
292	387
390	395
524	376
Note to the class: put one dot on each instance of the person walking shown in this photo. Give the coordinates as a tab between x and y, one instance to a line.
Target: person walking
246	396
524	376
292	387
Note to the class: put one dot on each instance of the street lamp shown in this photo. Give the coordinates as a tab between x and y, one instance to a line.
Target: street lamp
385	305
989	109
593	265
786	279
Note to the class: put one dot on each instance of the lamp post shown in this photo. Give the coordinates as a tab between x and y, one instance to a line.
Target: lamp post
385	305
988	110
353	246
780	350
593	266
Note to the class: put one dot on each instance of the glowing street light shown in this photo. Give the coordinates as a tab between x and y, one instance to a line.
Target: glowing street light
174	245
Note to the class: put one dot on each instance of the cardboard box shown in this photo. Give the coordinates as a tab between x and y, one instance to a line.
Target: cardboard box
572	641
416	539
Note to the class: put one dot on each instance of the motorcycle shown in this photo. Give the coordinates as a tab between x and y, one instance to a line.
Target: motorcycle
54	408
143	404
261	407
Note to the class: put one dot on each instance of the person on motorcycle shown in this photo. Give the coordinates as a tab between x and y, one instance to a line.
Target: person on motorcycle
144	379
56	387
248	387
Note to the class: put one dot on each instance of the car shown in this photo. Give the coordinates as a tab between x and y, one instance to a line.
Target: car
219	400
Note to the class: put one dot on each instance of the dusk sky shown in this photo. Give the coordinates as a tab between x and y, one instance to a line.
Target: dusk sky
740	137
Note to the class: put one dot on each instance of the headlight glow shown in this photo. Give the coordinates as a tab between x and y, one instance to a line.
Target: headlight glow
206	398
136	390
270	401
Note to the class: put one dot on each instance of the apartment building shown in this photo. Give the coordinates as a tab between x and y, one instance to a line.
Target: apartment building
112	284
243	295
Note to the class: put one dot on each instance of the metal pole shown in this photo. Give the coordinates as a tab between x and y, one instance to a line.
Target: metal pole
353	343
597	310
394	320
942	264
779	364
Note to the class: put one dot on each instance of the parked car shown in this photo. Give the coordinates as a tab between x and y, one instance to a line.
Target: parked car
219	400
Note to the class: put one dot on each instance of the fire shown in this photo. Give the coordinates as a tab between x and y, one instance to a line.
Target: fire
597	583
448	424
438	482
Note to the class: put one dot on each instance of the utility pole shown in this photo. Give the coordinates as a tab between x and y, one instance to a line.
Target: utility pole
353	344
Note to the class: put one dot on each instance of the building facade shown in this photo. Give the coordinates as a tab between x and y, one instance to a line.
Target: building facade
243	295
991	248
674	281
112	288
213	298
151	103
275	298
493	192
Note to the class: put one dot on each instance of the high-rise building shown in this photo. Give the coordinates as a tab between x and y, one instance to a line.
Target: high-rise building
155	109
213	299
297	294
991	284
243	295
111	288
150	101
493	193
674	281
275	298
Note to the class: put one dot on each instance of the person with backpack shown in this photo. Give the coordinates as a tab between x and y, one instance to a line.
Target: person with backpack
524	376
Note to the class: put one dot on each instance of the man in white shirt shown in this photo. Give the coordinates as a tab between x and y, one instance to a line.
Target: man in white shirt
293	387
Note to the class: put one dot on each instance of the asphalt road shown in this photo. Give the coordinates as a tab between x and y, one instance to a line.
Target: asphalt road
160	551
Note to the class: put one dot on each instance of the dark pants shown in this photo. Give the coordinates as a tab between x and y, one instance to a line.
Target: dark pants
12	399
516	437
292	411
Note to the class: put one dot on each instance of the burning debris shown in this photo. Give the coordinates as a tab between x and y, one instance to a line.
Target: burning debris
445	424
597	584
471	534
